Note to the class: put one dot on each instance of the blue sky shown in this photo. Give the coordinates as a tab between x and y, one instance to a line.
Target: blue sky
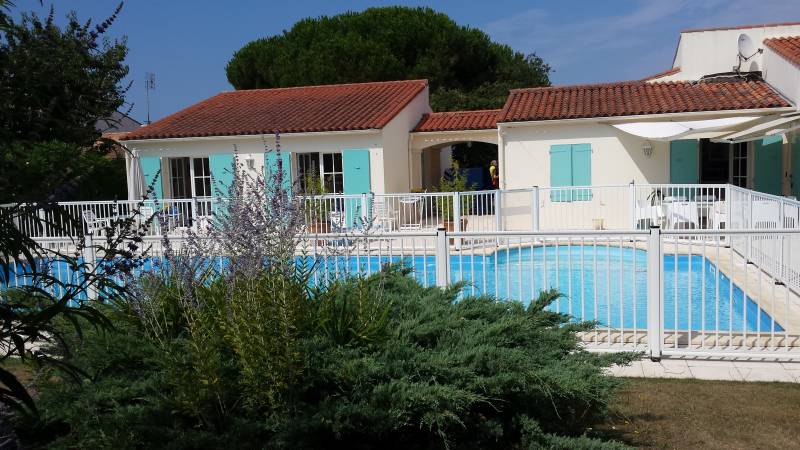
187	43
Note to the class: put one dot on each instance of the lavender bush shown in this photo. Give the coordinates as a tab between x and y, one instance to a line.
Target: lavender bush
239	289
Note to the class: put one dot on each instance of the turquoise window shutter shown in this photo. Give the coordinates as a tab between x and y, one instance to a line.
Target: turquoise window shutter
221	166
151	165
684	161
271	167
355	168
582	171
767	176
560	172
356	178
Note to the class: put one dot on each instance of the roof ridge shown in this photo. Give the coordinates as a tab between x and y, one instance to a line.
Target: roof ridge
641	82
741	27
318	86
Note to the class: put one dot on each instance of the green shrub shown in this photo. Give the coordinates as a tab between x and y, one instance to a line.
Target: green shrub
366	362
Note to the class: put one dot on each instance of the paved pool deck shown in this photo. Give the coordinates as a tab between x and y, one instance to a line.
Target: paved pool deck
712	369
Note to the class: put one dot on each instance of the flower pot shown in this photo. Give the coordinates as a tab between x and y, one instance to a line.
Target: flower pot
319	227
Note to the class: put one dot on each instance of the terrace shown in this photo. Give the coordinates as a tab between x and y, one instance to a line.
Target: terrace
698	270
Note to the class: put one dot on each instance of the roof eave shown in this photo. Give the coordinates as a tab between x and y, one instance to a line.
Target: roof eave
251	136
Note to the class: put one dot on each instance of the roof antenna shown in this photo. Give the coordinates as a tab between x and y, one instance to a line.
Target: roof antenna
747	50
149	85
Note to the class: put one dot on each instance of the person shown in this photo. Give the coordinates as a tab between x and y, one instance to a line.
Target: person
493	174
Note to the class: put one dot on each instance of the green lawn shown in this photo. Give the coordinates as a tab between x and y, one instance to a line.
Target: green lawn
688	414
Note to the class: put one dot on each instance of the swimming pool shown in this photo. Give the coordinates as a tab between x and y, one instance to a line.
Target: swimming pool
607	284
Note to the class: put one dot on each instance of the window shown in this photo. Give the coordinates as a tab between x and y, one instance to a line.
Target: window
307	171
326	167
332	177
570	165
202	177
739	163
179	178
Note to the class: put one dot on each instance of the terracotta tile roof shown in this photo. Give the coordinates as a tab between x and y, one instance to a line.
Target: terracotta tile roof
663	74
787	47
637	98
742	27
340	107
485	119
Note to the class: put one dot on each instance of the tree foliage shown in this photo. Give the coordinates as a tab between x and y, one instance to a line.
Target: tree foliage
465	68
55	84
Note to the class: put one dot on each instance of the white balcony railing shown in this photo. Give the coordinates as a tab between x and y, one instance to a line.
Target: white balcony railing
619	207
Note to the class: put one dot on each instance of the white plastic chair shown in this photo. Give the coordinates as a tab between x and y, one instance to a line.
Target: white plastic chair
95	224
720	216
682	213
647	212
384	218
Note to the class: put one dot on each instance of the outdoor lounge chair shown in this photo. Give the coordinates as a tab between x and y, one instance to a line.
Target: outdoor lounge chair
95	224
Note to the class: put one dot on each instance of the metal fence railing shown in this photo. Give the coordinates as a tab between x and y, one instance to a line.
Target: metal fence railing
663	292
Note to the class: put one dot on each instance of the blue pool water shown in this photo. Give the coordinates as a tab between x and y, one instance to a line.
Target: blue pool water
614	284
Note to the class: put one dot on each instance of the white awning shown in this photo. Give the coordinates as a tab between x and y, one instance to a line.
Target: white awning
673	130
777	126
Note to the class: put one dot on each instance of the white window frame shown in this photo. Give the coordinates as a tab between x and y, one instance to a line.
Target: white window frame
207	176
748	164
192	177
175	179
322	170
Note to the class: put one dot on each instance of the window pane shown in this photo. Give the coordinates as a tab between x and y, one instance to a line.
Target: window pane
327	163
199	187
329	184
337	162
337	179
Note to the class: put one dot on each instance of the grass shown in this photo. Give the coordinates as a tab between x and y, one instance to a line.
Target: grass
660	413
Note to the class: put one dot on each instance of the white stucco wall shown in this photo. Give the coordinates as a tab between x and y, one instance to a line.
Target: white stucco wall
617	157
395	139
782	75
254	147
705	52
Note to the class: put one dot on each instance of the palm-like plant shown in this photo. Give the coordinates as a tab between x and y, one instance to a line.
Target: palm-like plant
35	295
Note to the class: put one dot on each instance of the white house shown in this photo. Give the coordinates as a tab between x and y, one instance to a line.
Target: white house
354	137
715	117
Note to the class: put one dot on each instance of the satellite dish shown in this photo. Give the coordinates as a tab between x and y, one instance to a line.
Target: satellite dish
747	49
